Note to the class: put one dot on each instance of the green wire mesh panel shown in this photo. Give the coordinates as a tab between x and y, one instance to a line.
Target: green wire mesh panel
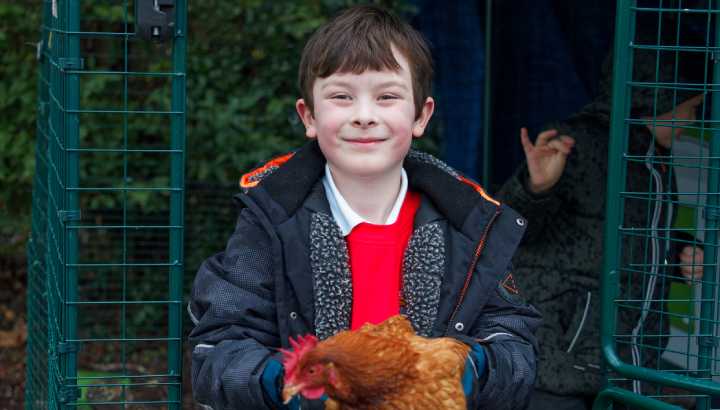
661	327
105	256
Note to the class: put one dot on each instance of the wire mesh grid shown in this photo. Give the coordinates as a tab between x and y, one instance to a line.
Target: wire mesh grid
106	257
662	246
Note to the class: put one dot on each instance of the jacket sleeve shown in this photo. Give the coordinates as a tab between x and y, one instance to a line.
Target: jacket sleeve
506	330
542	210
539	210
232	305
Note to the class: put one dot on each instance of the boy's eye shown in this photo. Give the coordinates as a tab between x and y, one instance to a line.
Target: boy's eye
388	97
340	97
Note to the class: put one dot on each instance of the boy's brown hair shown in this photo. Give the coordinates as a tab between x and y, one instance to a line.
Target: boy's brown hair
360	38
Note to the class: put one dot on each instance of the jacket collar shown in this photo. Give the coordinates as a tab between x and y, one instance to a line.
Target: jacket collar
295	181
317	202
464	203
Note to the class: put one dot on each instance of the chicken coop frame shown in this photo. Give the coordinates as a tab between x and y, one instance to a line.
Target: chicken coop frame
105	258
688	371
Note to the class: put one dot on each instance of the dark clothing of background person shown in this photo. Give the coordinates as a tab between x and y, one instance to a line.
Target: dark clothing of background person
559	262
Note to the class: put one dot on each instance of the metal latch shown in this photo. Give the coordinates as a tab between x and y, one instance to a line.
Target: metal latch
68	347
68	394
69	215
67	63
155	19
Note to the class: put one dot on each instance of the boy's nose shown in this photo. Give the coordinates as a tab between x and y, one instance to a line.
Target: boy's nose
364	122
363	116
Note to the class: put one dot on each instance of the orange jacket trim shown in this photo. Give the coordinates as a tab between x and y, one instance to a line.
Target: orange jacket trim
479	189
251	179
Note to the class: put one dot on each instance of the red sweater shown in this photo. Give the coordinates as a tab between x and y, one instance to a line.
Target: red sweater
376	255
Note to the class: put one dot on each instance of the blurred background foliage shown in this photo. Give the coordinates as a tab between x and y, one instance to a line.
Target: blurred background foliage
242	62
241	88
18	73
242	71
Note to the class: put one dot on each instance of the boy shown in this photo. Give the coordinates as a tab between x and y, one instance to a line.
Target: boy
355	227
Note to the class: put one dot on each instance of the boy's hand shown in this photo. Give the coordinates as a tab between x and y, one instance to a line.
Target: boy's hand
691	259
546	159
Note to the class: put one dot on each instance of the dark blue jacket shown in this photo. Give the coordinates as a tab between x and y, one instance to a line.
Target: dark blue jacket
285	272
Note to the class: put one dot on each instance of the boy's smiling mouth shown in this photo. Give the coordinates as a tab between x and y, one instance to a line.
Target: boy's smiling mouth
364	140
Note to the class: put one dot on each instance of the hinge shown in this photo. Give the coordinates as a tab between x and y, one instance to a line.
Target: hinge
68	394
708	341
71	63
155	20
711	213
68	347
39	48
74	215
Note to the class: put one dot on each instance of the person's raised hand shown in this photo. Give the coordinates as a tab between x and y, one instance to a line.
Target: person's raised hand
691	259
546	158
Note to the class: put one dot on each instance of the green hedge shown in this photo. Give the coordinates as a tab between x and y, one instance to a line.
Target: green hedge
242	69
19	31
241	89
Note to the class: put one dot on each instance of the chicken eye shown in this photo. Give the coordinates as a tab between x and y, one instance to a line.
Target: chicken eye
311	370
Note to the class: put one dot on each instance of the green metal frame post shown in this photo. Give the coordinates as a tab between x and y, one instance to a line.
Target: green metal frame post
72	204
706	337
177	175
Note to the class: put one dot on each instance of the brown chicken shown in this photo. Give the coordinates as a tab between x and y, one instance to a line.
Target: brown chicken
385	366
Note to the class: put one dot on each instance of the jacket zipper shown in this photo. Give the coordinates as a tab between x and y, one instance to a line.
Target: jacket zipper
476	256
582	322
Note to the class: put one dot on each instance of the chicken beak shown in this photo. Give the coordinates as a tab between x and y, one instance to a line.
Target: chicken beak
290	390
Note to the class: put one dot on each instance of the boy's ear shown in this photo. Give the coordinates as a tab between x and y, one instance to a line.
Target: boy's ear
307	118
424	117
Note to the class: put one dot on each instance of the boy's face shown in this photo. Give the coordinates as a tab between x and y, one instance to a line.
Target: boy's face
365	122
684	114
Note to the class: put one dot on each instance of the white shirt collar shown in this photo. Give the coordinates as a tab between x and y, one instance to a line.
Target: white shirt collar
345	216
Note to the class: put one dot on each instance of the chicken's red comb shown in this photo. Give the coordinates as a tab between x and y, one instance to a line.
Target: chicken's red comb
291	358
